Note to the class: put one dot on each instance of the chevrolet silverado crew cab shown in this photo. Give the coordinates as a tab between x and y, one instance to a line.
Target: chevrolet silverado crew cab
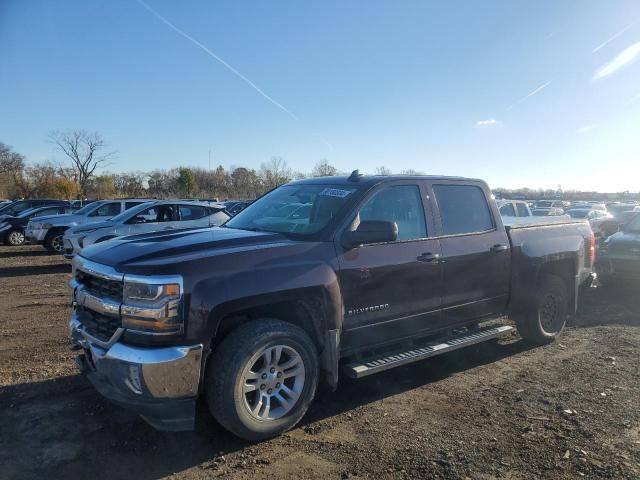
373	272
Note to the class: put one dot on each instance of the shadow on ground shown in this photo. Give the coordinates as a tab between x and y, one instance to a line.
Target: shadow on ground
25	253
28	270
63	422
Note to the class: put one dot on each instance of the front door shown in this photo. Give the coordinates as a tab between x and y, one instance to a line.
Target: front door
391	290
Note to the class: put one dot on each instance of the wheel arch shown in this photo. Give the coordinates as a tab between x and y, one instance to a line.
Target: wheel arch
314	309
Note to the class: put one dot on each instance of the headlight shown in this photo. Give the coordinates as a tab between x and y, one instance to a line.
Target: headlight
152	305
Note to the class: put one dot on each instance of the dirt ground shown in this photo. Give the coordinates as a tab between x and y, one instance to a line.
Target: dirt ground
497	410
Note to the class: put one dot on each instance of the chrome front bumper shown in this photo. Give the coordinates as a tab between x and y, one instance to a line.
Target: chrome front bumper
161	384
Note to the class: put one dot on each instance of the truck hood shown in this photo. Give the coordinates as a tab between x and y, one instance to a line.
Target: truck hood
158	249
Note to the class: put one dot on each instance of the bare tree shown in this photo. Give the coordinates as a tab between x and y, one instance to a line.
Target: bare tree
383	171
10	162
324	169
275	172
85	150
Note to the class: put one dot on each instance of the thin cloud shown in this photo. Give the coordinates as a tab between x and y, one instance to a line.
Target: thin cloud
625	58
489	122
530	94
606	42
217	58
587	128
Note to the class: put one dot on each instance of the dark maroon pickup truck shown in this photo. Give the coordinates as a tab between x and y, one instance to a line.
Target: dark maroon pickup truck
318	278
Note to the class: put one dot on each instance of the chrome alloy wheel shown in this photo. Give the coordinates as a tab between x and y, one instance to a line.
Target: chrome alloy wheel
16	237
57	244
272	382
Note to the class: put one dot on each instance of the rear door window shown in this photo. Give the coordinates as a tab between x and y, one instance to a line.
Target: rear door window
463	209
523	211
507	210
192	212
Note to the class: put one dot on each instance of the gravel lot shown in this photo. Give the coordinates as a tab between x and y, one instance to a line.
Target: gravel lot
498	410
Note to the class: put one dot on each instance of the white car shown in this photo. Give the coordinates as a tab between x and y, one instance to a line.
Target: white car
514	208
145	218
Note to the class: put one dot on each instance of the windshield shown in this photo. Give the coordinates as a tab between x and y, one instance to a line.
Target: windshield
578	213
88	208
28	212
301	209
127	214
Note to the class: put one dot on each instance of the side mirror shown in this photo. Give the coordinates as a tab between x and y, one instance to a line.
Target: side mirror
373	231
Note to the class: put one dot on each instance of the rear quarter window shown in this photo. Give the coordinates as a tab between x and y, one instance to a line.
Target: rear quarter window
463	209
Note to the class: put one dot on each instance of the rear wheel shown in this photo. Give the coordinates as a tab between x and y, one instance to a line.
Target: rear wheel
546	317
262	379
53	241
16	238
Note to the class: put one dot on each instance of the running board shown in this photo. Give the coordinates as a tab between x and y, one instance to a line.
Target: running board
388	360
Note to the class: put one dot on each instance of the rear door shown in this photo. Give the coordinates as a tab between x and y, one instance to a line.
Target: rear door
391	290
476	253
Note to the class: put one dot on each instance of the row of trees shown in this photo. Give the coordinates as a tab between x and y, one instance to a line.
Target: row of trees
86	153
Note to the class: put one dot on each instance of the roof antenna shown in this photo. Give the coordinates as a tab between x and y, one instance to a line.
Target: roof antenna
355	176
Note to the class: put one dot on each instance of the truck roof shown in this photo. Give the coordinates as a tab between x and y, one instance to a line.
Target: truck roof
374	179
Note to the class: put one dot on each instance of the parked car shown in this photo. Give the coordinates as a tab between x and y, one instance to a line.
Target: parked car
233	207
550	204
596	218
619	255
12	209
514	208
145	218
607	226
48	231
545	212
12	228
254	314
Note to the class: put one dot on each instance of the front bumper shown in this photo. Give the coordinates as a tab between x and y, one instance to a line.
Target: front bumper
160	384
35	235
71	245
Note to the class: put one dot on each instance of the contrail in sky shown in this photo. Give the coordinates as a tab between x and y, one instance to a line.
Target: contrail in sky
531	94
216	57
604	44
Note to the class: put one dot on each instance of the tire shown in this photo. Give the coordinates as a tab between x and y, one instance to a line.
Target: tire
547	315
16	238
53	241
239	361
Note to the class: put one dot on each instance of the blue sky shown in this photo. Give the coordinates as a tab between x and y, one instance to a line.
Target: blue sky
518	93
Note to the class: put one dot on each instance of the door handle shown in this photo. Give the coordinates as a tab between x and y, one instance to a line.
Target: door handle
499	248
429	257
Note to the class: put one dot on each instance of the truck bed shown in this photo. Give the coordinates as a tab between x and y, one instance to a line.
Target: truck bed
527	222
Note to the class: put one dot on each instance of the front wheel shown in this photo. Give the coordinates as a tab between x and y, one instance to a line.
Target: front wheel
262	379
546	317
16	238
53	241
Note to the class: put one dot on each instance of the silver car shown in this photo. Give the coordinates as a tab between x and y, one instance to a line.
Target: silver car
48	230
147	217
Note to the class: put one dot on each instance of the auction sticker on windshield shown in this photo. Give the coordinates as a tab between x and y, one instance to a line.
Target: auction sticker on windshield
335	192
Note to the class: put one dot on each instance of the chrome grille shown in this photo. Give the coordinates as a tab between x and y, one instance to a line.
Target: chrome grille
100	286
97	325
